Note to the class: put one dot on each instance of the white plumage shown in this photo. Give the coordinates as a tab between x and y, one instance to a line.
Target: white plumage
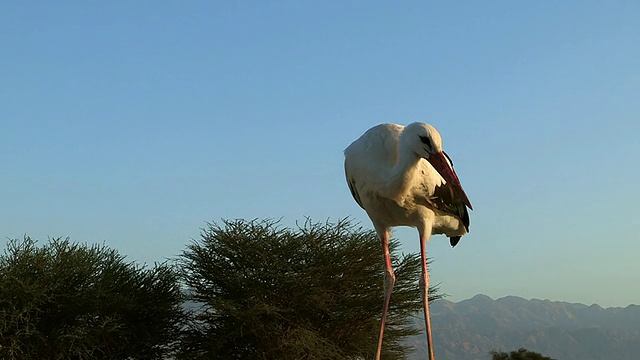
401	177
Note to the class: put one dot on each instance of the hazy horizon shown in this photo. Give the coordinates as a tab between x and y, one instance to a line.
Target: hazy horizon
537	298
135	123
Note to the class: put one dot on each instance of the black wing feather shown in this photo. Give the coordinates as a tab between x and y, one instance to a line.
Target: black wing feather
352	186
445	200
354	192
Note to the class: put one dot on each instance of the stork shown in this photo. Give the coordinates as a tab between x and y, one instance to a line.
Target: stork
401	177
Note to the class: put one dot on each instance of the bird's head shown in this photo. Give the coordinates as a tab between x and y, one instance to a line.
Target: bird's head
426	142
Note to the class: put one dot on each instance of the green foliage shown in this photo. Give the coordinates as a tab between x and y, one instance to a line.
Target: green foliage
69	301
520	354
314	292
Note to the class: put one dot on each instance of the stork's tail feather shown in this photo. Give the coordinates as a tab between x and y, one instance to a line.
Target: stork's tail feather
454	240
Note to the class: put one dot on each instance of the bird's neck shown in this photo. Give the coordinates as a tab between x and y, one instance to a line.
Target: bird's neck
402	174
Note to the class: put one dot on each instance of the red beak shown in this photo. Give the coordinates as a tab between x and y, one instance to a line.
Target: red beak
445	170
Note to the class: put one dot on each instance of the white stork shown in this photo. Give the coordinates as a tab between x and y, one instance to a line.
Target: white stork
401	177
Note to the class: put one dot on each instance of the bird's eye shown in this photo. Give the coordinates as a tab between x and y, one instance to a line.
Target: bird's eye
425	140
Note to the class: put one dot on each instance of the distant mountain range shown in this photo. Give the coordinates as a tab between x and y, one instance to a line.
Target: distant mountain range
469	329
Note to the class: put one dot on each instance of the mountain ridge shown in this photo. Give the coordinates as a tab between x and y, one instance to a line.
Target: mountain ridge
469	329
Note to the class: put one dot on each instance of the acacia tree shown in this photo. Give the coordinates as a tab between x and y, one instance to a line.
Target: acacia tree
520	354
70	301
261	291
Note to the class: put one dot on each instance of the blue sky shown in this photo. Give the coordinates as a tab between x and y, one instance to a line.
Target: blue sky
134	123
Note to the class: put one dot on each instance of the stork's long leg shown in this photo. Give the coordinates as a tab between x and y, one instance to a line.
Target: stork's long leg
389	280
424	285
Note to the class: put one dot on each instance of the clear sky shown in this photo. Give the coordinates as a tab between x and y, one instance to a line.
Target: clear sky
134	122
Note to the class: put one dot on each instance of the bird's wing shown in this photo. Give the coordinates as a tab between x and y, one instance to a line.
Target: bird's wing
352	186
439	195
445	199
